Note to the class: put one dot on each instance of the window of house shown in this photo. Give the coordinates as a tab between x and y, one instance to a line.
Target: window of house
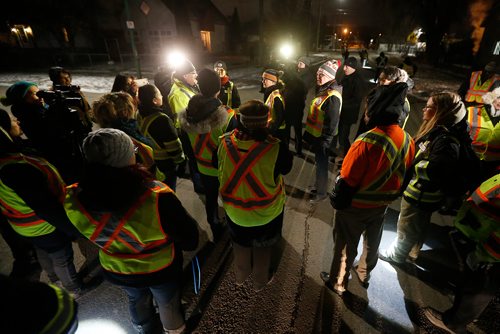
205	39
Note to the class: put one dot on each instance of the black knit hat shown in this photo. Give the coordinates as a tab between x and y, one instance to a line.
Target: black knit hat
351	62
254	114
209	82
385	104
5	121
146	94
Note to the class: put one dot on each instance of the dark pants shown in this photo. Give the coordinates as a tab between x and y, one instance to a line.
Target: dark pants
142	310
211	184
193	167
343	137
297	128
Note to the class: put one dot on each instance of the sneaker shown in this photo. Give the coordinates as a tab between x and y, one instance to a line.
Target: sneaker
365	284
325	277
435	318
318	198
385	256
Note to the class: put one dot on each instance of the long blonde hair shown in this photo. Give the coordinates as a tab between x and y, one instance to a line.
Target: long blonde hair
112	107
449	111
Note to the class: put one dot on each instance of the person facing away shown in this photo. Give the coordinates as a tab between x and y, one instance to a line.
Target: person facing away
204	121
118	111
409	67
436	177
352	94
228	95
294	94
139	225
251	165
322	124
160	130
370	178
381	61
273	98
31	192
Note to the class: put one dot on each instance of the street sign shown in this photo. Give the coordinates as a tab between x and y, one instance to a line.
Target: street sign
130	25
145	8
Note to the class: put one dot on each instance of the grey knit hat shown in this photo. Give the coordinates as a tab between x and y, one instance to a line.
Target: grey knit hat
110	147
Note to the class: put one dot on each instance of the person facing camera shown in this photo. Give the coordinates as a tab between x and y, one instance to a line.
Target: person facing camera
139	225
251	166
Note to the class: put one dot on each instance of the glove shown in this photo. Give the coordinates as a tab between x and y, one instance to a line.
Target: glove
342	193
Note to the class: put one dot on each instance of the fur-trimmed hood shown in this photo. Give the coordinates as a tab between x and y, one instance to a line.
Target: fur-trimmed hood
203	115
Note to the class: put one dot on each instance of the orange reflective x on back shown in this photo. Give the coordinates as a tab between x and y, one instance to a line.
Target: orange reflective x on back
204	141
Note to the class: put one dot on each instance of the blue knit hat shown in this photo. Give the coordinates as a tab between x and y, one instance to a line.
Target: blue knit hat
17	92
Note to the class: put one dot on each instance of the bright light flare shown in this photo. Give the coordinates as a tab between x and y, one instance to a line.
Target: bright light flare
286	50
93	326
175	58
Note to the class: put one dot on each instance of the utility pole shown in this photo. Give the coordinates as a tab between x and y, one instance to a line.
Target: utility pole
131	27
320	5
261	31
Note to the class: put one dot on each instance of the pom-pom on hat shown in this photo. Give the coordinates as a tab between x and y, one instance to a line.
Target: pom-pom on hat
209	82
109	147
17	92
253	114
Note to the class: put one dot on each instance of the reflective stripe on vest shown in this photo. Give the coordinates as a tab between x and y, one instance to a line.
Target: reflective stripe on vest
229	93
145	155
170	150
130	243
65	315
479	216
374	192
270	103
477	90
21	217
251	195
203	150
316	116
413	189
484	134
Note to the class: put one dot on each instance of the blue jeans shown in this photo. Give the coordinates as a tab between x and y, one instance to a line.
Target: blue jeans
59	265
321	185
142	311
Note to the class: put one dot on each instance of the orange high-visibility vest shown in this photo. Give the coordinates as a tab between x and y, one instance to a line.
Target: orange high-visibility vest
270	103
477	89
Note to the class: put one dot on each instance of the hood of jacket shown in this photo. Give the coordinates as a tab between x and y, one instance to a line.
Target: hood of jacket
203	114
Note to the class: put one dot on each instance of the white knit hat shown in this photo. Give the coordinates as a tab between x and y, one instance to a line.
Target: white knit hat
110	147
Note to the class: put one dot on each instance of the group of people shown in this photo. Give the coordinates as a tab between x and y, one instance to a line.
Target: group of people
123	198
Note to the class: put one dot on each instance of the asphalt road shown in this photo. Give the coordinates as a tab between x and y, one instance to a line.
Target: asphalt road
296	301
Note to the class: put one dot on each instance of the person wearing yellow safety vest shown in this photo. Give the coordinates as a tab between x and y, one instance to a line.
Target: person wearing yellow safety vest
478	243
184	87
139	225
322	124
229	95
35	307
160	130
205	120
118	111
31	195
479	83
435	181
251	164
370	178
273	98
484	129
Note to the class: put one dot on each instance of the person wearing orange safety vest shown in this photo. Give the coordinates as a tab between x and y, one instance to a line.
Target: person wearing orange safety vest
322	124
31	195
205	120
36	307
484	130
159	129
370	178
479	83
139	225
273	98
437	174
478	243
251	164
118	110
